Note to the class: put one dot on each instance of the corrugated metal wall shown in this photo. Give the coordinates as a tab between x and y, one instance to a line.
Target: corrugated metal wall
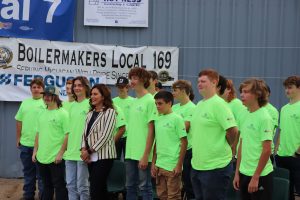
239	38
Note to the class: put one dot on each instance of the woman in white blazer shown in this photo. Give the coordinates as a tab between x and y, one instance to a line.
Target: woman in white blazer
98	147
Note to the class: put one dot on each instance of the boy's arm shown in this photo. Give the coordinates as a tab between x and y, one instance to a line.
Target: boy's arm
120	133
178	169
143	163
62	150
153	167
187	126
236	180
235	143
36	145
264	157
277	143
231	135
18	136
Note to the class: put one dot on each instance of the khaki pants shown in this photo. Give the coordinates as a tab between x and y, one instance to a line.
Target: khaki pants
168	186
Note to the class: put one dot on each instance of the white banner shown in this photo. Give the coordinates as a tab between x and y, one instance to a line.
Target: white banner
130	13
21	60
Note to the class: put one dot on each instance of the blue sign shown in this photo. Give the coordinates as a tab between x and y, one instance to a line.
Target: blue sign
37	19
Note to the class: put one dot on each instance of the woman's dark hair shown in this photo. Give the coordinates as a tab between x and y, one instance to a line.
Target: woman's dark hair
84	81
105	92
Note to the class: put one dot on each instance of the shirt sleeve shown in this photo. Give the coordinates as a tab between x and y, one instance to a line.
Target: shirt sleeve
266	130
180	127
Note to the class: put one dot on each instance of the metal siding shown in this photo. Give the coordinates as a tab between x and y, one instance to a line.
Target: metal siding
239	38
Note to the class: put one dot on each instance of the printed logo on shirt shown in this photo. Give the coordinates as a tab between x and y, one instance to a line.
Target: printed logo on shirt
294	116
205	115
251	127
139	108
268	131
229	119
83	113
167	125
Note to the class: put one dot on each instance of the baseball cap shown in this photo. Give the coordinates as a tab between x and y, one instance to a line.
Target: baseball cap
122	81
51	90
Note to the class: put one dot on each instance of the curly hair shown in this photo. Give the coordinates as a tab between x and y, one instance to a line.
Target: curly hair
142	74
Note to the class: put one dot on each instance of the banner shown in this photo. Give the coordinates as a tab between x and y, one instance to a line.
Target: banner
21	60
130	13
39	19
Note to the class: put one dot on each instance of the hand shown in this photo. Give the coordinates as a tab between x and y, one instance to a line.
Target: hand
85	156
58	158
33	158
18	143
153	170
143	163
236	182
177	170
253	185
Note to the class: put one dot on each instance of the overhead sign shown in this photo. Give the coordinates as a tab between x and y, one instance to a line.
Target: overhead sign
129	13
39	19
21	60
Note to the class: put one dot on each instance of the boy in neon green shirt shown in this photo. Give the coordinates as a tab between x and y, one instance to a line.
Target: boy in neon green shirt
288	155
26	118
213	131
183	92
124	102
253	175
140	136
76	170
170	148
50	145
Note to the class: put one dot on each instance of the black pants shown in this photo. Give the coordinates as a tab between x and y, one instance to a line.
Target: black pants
53	177
265	188
99	172
186	175
121	147
293	165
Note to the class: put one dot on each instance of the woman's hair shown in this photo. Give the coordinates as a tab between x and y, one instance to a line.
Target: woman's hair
232	93
84	81
105	92
186	86
258	88
142	74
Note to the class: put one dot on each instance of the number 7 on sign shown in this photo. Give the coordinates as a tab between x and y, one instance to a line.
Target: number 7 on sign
55	4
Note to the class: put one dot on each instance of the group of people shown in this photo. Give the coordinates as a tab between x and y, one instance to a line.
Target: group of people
188	149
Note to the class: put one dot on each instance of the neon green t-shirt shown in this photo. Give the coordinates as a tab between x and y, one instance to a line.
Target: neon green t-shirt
125	105
53	125
77	113
141	113
237	107
67	105
28	114
168	131
257	128
289	129
186	112
211	119
120	119
273	112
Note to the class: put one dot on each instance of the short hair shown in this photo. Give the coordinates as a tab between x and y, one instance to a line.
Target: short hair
292	80
105	92
232	93
153	75
186	86
69	82
85	82
222	84
210	73
37	81
165	95
142	74
259	88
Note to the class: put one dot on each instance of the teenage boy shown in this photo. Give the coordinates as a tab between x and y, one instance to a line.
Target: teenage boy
124	102
213	131
27	117
67	104
288	155
170	148
253	175
140	137
183	93
152	82
76	170
50	145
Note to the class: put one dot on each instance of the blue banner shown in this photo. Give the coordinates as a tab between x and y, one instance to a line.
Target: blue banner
37	19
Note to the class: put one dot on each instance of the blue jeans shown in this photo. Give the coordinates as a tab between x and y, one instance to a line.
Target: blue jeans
30	172
77	178
211	184
138	178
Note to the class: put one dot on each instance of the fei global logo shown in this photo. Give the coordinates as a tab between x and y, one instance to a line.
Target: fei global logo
6	57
